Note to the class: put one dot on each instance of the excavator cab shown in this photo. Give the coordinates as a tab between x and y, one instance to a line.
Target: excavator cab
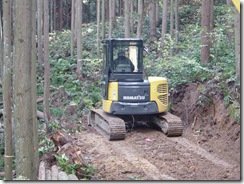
127	96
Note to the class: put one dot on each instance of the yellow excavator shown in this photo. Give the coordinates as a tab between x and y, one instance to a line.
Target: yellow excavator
127	96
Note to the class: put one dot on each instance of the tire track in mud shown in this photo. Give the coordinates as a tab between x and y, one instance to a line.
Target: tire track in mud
200	151
138	161
121	151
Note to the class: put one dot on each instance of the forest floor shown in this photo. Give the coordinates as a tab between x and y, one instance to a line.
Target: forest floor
209	148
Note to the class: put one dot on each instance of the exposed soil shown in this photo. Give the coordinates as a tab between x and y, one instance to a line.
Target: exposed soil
209	148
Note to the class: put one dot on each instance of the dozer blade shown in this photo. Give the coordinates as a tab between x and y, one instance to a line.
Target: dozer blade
170	124
108	125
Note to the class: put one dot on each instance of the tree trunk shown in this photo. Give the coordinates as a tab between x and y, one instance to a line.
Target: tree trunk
152	14
34	91
164	22
237	43
23	117
127	18
230	31
39	36
171	27
47	66
54	15
67	13
1	48
131	17
110	19
211	15
72	28
103	19
140	20
157	13
51	16
79	37
60	15
113	13
98	28
7	91
205	23
176	25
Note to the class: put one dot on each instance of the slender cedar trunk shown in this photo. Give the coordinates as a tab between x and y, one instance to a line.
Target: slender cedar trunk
230	23
1	48
23	117
131	17
113	11
51	16
39	36
176	26
164	22
110	19
121	8
79	37
34	92
211	15
237	43
7	89
140	14
47	66
55	15
107	9
171	27
60	15
103	19
152	14
67	13
72	28
205	23
98	28
127	18
157	13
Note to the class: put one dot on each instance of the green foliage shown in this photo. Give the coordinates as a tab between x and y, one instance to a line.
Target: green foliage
66	167
45	145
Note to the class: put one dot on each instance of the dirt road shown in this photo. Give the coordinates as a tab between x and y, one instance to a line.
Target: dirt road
147	154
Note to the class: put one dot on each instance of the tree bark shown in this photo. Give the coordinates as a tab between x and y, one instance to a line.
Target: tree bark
164	22
39	36
47	66
60	15
54	15
98	28
1	48
79	37
72	28
110	19
171	27
152	14
34	91
7	89
237	43
23	117
131	17
176	25
103	19
205	23
127	18
140	20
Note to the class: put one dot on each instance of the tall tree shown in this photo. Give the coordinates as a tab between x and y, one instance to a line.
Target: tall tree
110	18
157	12
34	91
131	17
60	15
171	26
164	22
54	15
39	35
152	14
7	89
140	20
23	110
1	48
72	28
205	24
79	37
46	65
103	19
176	25
127	18
237	43
98	28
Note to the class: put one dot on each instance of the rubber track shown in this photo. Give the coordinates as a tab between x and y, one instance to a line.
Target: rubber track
108	125
171	125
